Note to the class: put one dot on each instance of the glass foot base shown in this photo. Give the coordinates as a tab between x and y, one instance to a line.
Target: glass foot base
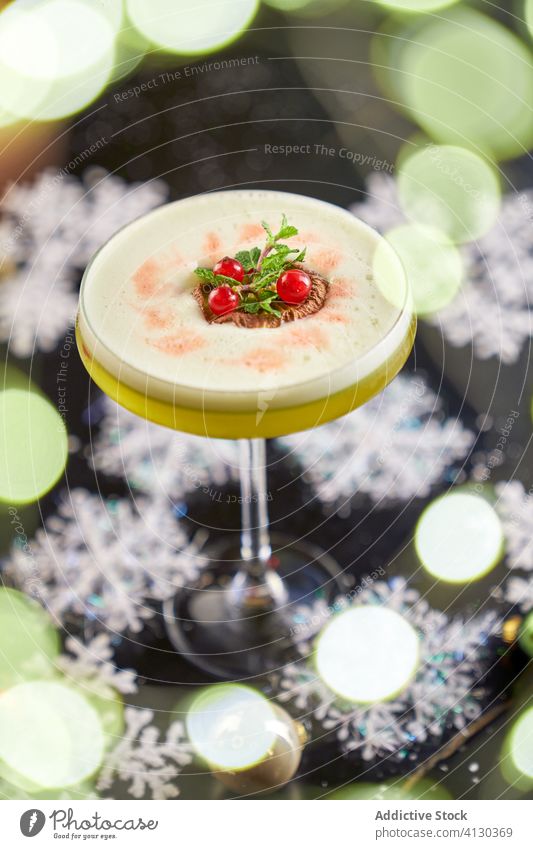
235	642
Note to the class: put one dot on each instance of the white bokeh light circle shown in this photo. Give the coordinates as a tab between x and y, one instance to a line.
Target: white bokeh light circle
459	538
50	735
367	654
55	57
232	726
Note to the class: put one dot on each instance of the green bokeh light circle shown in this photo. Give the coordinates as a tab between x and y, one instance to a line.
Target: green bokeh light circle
288	5
189	28
308	8
525	637
130	50
29	643
521	743
450	188
528	14
416	5
33	448
425	789
50	735
468	80
432	264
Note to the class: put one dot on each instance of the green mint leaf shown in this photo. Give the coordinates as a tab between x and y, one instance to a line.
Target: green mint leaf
263	303
284	250
283	225
265	279
222	280
275	266
248	259
206	275
267	295
244	258
277	258
268	231
213	279
267	308
251	306
286	230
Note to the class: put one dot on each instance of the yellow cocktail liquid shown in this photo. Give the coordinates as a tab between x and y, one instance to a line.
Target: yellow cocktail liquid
249	424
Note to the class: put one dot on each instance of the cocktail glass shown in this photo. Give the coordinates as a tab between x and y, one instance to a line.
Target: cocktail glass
239	620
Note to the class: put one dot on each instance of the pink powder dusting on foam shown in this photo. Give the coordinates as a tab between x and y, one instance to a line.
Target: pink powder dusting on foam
176	258
326	260
156	319
333	316
177	345
341	288
260	359
308	237
146	278
212	243
307	335
251	231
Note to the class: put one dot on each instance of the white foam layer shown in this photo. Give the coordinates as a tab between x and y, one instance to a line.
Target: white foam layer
140	321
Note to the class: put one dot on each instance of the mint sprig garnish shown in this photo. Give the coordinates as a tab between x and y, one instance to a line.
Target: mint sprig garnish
262	268
248	259
257	301
208	276
285	231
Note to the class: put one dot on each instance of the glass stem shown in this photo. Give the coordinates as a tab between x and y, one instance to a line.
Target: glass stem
256	587
255	537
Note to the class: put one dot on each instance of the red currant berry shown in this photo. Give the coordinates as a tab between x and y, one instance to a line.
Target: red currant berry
223	300
230	267
293	286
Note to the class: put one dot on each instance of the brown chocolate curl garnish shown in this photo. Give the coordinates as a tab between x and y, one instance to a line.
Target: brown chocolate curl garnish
289	312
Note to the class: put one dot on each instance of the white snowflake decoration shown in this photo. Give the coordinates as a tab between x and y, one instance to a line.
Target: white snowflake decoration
92	663
381	208
445	693
515	509
479	316
104	560
154	459
49	230
145	761
492	310
517	591
34	313
395	447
